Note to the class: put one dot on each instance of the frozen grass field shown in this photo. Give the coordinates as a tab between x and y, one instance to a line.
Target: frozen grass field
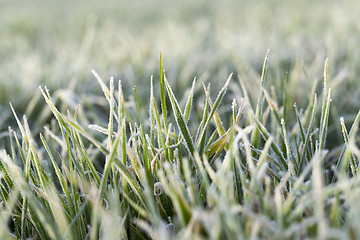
219	138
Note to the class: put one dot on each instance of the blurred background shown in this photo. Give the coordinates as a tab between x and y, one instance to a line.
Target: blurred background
57	43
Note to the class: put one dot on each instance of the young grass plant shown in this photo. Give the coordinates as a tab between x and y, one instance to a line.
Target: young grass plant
262	179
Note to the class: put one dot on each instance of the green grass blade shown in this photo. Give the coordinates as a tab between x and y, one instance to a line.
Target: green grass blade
324	122
217	102
266	135
340	162
161	140
180	120
259	105
162	93
130	179
173	188
152	111
108	95
86	156
301	128
287	145
84	133
274	110
109	160
216	147
147	160
285	96
201	140
35	205
189	102
308	136
59	175
353	166
324	110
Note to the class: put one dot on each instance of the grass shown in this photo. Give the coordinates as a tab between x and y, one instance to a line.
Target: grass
260	145
161	181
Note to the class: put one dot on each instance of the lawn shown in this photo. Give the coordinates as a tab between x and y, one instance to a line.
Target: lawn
188	120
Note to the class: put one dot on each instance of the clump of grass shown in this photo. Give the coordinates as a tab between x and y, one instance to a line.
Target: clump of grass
252	173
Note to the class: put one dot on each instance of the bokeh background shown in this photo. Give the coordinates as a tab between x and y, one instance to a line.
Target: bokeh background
57	43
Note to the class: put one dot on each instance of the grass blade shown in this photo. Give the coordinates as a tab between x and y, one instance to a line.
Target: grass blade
180	120
189	101
162	93
217	102
266	135
307	138
259	105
